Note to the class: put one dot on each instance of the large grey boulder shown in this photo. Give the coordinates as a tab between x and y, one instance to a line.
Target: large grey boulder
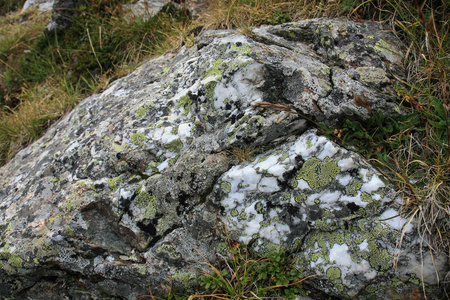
126	194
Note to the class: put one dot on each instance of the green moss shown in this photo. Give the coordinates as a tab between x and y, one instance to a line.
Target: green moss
138	139
147	201
215	70
185	102
141	269
174	146
318	173
113	182
141	112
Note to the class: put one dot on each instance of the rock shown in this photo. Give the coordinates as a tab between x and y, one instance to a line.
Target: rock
143	9
44	5
62	15
126	194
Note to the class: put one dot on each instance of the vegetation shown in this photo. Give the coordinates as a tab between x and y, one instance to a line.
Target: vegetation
40	84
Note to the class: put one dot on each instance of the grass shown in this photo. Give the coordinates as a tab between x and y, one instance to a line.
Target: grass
412	151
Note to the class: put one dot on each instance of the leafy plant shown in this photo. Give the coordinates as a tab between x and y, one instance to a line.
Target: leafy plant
245	274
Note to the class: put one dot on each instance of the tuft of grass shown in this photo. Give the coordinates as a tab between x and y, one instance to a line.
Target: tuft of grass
224	14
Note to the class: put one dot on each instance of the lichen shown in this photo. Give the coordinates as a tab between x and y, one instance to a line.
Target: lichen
379	259
353	188
174	146
148	202
185	102
15	261
141	111
243	49
333	273
185	278
226	186
209	89
169	249
318	173
138	139
214	70
113	182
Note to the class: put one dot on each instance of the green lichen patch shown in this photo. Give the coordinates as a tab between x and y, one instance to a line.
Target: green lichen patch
113	182
318	173
379	258
138	139
209	89
353	188
185	102
174	146
243	49
119	148
148	202
215	70
333	273
226	186
141	112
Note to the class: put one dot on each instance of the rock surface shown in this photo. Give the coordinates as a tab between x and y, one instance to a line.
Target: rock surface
121	196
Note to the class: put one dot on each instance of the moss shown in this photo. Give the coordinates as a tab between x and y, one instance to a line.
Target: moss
147	201
113	182
174	146
215	70
138	139
141	112
185	102
318	173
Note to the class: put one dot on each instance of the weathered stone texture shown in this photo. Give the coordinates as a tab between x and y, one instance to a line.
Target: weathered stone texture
124	193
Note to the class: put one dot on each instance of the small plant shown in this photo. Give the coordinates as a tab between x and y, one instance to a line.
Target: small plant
242	154
244	274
